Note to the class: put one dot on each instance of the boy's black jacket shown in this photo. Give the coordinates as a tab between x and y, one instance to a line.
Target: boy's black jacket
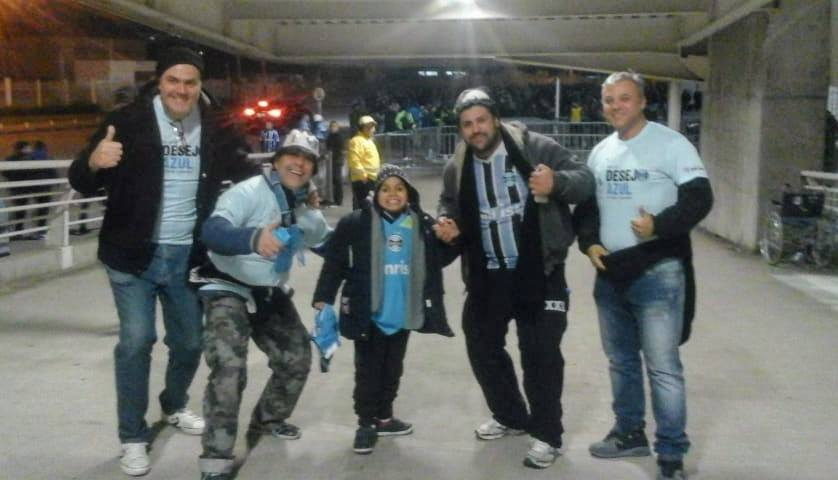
347	260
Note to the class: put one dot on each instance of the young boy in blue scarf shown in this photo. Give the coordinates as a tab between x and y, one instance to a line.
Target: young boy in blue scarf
390	263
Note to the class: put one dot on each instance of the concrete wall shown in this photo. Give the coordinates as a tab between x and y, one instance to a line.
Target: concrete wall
764	111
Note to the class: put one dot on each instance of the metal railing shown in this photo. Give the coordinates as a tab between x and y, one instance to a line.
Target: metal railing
432	146
22	211
23	203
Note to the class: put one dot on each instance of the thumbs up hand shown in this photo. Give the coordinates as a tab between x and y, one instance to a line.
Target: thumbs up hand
108	153
643	225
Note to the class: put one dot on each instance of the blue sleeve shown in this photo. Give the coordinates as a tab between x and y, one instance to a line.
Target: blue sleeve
220	236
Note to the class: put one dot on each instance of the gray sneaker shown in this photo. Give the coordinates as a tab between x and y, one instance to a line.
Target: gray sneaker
541	455
492	430
615	445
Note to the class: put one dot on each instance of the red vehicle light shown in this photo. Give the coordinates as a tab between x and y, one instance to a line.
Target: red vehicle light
275	112
249	112
262	103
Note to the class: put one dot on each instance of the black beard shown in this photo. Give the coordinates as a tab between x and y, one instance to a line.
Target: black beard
490	147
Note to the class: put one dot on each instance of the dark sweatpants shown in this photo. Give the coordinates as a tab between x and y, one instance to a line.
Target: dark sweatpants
379	363
540	327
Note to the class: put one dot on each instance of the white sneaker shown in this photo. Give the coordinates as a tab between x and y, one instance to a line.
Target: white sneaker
187	421
492	430
134	460
541	455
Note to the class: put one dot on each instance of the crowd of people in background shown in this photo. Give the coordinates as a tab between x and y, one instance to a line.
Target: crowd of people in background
24	150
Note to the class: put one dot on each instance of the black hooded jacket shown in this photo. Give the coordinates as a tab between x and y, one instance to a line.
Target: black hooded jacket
348	260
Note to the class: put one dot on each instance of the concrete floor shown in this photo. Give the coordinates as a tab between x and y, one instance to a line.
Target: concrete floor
762	372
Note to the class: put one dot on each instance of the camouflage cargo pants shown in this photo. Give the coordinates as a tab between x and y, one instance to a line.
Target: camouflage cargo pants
277	330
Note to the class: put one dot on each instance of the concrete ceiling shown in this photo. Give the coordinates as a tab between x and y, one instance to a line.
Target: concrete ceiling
658	38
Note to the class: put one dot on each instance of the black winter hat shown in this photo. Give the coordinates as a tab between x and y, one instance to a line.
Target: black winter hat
179	56
389	170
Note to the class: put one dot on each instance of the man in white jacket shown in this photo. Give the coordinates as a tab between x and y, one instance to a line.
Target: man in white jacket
255	230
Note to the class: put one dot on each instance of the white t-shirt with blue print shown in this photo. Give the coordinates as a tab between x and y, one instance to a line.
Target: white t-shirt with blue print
398	237
642	172
181	170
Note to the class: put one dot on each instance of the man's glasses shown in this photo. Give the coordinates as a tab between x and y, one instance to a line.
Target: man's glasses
177	127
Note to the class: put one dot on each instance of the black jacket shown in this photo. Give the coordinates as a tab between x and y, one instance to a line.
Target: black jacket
348	260
672	225
135	185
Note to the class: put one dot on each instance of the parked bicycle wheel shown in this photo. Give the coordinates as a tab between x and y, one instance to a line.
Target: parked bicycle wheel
773	241
823	250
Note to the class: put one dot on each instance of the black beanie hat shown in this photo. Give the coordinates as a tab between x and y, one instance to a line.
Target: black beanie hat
179	56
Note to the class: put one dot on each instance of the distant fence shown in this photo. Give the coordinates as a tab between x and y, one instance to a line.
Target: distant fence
434	145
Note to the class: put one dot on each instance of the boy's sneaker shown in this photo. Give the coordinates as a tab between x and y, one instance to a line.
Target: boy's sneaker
216	476
365	438
392	427
541	455
615	445
134	459
492	430
671	470
187	421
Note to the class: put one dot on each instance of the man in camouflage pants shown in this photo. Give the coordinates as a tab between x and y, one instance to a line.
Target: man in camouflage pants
246	296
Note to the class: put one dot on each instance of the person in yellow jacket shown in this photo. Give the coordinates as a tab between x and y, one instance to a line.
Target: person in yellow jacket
363	161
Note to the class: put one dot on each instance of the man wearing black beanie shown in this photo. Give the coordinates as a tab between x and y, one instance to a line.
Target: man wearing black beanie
161	160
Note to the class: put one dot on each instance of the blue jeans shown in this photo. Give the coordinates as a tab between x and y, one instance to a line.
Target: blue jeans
647	315
136	298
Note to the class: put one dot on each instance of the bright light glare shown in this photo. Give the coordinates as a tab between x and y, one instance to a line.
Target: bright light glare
262	103
249	112
275	112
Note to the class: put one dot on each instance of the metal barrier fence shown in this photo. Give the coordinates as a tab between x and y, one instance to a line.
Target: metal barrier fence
49	209
44	209
432	146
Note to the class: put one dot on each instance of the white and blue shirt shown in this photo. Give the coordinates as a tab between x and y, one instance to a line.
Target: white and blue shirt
398	237
642	172
181	142
270	140
501	196
253	204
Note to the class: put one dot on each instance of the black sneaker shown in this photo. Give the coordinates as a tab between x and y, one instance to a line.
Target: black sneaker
393	427
283	430
615	444
671	470
365	438
216	476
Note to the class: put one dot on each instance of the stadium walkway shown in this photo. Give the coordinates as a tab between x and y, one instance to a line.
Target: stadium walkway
762	375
